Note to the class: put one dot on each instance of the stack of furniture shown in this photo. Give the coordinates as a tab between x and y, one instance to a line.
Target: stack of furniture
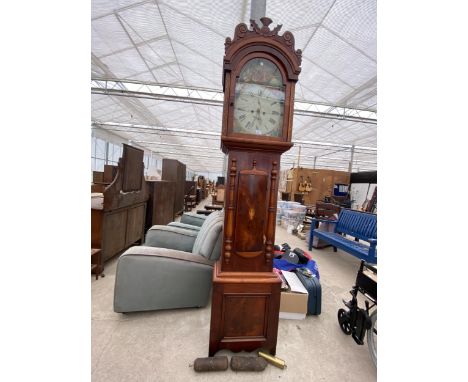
201	188
190	195
175	171
160	208
320	184
118	213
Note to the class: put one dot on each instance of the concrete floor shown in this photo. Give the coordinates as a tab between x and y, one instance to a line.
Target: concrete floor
162	345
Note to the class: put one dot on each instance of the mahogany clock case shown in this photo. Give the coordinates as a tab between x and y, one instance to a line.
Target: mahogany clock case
246	291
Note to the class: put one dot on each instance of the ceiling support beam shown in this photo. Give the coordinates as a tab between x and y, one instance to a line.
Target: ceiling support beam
205	148
132	127
212	97
119	19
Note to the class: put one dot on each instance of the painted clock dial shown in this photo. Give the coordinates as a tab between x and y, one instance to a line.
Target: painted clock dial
259	99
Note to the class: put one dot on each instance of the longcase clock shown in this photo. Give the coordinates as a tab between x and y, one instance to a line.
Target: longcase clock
260	71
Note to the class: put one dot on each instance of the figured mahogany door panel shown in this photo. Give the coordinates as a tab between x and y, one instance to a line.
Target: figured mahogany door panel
250	215
245	316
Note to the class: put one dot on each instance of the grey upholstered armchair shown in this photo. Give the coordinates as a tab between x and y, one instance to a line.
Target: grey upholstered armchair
173	269
190	220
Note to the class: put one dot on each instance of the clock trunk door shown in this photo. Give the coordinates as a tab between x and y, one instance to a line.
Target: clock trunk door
250	218
251	213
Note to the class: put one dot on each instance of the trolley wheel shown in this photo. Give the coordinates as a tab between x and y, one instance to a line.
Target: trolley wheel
343	320
372	337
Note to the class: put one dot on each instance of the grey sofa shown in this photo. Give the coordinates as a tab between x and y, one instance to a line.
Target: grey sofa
173	269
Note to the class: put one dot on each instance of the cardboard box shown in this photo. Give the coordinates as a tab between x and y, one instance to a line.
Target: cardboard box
293	306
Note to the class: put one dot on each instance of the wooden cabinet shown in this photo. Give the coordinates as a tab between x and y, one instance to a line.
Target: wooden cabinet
118	214
113	231
175	171
160	208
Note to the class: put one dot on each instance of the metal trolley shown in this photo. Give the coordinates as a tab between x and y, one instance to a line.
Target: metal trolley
356	321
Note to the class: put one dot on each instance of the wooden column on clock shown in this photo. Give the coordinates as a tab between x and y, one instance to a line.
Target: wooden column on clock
260	72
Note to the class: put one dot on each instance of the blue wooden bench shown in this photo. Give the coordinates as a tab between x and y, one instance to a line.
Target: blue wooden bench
360	225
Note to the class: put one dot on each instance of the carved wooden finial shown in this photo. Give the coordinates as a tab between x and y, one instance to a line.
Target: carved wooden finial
265	29
266	21
243	36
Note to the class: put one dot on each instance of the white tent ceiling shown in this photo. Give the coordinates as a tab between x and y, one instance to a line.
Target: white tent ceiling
180	46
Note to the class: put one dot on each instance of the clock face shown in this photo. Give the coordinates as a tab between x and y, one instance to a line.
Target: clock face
259	99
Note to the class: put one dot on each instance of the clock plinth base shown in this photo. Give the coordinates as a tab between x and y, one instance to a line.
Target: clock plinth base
244	311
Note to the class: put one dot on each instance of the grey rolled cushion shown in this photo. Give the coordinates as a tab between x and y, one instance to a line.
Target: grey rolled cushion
185	226
150	278
164	236
193	219
207	239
